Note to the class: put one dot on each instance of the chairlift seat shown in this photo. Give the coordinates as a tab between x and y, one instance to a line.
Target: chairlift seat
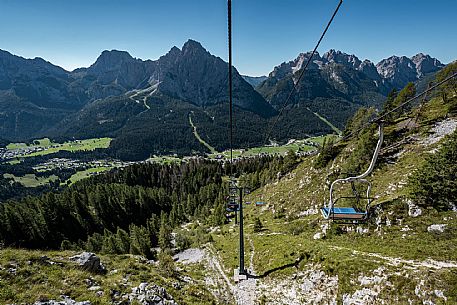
343	213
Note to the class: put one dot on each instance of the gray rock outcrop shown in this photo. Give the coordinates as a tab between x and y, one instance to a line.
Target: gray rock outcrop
150	294
89	262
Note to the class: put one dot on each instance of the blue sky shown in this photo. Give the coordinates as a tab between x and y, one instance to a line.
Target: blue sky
73	33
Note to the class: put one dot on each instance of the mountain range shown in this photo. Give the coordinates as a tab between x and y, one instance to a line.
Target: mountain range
146	105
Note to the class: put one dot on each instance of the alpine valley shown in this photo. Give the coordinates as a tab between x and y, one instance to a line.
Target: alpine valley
148	107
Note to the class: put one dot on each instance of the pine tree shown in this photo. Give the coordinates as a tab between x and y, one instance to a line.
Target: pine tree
94	243
140	243
109	243
167	264
165	233
122	241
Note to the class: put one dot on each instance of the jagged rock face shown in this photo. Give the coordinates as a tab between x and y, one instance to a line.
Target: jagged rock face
291	67
334	75
398	71
426	64
346	75
350	61
369	69
194	75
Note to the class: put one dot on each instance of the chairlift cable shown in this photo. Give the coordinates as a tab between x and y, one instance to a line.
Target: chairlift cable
378	119
295	87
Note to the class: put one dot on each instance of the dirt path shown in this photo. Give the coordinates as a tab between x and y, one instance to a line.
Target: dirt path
246	291
395	261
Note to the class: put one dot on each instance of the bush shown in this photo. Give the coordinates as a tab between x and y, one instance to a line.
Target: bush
296	228
258	226
327	153
183	241
67	245
167	264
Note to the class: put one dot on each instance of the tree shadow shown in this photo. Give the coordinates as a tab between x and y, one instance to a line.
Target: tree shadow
268	272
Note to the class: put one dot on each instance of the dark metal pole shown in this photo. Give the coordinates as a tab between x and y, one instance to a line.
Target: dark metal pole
242	271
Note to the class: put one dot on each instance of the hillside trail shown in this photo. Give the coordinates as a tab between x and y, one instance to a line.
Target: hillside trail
148	92
395	261
246	290
243	292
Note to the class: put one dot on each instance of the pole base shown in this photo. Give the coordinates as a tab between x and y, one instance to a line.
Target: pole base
237	277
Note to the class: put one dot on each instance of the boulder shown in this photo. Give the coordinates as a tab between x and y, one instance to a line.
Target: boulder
150	294
439	228
89	262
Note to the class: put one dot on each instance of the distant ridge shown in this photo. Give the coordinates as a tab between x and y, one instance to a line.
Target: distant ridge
133	100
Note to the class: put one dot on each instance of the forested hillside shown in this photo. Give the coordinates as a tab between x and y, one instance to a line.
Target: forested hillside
139	195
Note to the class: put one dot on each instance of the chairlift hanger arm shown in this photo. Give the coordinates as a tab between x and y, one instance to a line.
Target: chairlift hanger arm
361	178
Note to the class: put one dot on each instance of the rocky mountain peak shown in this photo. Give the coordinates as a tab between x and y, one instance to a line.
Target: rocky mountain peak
110	60
174	50
295	65
395	65
399	70
192	47
369	69
342	58
426	64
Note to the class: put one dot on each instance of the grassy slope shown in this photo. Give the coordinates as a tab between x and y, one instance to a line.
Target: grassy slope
34	281
326	122
197	136
86	173
306	188
30	180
